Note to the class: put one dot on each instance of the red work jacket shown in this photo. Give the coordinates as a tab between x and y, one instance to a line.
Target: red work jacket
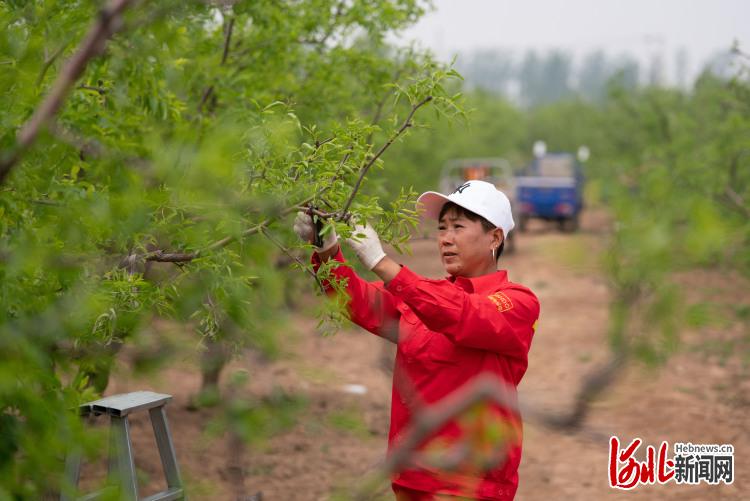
449	331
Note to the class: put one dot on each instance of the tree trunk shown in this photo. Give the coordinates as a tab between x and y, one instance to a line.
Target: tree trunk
213	360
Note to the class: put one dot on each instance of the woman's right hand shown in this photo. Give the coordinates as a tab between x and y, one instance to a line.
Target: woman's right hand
304	227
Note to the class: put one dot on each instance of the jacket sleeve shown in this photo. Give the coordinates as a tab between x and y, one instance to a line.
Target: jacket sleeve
370	306
501	322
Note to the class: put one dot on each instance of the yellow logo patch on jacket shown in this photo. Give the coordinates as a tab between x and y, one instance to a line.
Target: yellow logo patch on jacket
502	301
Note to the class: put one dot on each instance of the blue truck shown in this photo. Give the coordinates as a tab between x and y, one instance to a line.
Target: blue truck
551	188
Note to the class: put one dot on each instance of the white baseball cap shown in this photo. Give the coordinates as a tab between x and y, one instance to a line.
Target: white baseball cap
479	197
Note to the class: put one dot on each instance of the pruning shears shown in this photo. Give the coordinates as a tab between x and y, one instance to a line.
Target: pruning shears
317	239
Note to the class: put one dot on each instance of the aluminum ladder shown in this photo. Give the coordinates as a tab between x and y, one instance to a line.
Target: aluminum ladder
121	463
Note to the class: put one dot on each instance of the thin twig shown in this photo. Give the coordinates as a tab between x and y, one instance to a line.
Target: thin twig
335	175
311	156
737	201
182	257
206	94
231	238
254	229
42	201
224	54
315	212
381	104
227	41
86	146
729	191
318	144
298	260
108	22
363	170
173	257
376	116
100	90
342	163
169	257
320	42
48	62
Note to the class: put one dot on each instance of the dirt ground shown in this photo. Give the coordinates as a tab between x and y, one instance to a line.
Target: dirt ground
337	437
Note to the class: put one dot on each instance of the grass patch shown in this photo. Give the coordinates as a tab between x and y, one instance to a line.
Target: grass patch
256	420
349	421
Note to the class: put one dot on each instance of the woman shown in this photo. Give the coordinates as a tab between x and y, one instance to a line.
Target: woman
448	331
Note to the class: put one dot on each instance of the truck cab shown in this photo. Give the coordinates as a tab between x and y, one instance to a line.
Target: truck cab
551	188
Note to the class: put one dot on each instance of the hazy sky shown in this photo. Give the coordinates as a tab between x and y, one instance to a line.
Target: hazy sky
640	27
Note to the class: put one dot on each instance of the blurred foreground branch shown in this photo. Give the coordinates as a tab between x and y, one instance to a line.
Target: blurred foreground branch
430	419
109	22
485	388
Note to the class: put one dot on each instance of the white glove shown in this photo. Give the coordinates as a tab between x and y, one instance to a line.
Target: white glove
305	229
368	248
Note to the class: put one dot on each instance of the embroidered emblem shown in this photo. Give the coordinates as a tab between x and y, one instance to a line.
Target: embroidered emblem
461	188
502	301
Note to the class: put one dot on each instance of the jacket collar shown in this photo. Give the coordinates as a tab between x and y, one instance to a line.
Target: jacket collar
480	284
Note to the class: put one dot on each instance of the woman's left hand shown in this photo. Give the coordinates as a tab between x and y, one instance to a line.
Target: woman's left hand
366	244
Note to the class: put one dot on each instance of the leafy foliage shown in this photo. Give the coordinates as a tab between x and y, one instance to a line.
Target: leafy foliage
164	185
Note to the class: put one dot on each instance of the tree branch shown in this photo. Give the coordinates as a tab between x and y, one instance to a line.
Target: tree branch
224	54
366	166
729	191
335	175
381	104
184	257
591	387
320	42
206	95
107	24
376	116
737	201
48	62
170	257
227	41
85	146
295	258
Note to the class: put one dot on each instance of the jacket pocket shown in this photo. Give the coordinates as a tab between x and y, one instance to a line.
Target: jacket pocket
441	350
412	335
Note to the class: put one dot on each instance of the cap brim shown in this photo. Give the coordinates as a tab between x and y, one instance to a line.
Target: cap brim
430	203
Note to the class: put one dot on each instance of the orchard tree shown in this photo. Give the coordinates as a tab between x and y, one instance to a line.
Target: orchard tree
152	156
677	178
